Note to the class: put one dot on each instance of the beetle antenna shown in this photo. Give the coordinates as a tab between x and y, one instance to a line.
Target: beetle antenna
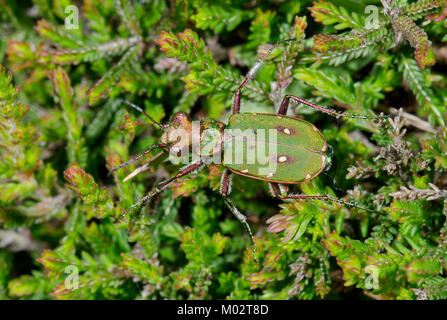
130	104
144	166
162	145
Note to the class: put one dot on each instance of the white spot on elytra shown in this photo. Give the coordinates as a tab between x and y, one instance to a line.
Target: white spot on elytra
270	175
244	171
286	131
282	159
308	176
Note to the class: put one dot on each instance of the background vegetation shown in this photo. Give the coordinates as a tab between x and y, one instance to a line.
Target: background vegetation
62	127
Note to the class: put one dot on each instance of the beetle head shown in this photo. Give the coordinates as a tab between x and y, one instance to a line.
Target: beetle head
178	132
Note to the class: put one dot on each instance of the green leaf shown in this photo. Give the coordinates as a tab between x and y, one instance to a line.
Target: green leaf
217	18
424	94
329	14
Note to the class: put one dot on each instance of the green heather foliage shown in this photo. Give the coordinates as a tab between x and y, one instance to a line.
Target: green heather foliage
65	228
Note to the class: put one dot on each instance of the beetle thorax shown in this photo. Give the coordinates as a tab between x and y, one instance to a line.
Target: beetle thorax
211	135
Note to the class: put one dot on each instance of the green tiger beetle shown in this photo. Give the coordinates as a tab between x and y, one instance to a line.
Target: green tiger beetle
302	152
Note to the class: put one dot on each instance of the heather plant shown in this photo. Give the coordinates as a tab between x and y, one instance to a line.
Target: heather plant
66	228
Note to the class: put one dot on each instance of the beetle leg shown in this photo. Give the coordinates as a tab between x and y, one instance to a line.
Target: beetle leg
337	114
250	75
276	192
237	97
164	184
225	190
162	145
284	105
277	189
